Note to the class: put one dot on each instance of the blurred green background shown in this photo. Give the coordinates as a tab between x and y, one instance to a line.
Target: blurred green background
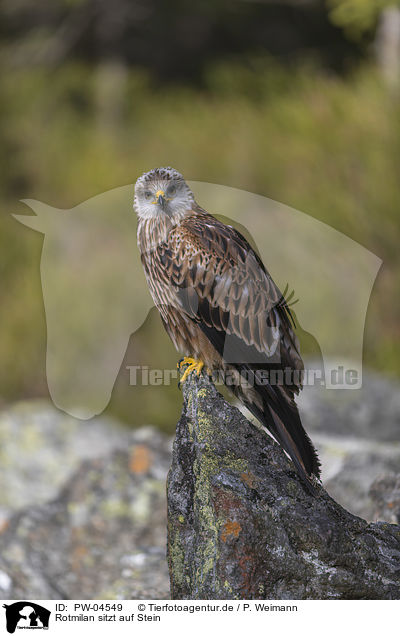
297	100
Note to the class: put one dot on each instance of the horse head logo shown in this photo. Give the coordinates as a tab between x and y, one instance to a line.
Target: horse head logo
95	295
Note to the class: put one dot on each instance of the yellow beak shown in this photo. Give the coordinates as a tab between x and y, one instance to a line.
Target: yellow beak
159	198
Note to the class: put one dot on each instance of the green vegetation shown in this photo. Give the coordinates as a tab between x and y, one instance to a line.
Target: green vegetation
358	16
325	145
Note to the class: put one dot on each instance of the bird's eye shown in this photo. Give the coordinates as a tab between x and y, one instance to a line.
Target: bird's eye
148	195
171	190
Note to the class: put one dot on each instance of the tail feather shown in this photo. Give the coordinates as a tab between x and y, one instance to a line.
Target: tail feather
292	427
296	442
282	419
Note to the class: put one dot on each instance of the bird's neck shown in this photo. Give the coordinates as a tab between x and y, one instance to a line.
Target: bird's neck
154	231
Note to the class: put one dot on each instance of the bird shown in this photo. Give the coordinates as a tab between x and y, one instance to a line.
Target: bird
222	309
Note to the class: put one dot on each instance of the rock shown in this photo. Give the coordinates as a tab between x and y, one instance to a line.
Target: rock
385	494
241	525
350	466
40	447
371	412
62	512
357	436
103	536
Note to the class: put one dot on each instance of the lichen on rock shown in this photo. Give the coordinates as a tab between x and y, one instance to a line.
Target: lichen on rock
241	525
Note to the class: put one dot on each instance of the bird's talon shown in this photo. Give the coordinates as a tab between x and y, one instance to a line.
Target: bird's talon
192	365
185	360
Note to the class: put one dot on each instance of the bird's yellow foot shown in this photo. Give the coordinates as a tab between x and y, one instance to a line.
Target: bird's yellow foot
192	365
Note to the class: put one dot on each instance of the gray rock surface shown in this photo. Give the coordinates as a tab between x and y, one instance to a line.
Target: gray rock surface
40	447
241	525
385	494
103	536
371	412
357	434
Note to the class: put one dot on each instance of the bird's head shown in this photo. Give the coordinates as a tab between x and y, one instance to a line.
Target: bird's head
162	191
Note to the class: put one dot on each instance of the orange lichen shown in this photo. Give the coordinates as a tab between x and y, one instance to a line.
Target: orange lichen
79	552
230	528
4	525
140	460
249	479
